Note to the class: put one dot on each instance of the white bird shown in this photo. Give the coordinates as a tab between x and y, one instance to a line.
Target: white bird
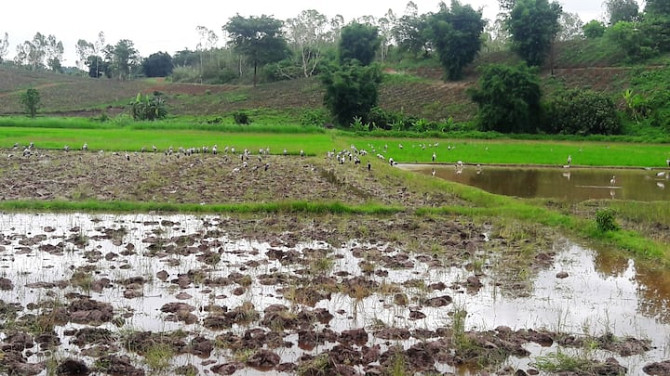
391	161
434	156
660	185
400	146
433	172
660	174
84	147
613	180
569	160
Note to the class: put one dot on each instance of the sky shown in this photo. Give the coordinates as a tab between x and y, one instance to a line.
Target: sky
170	26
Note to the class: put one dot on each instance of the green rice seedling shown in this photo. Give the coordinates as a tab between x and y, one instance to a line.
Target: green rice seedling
158	356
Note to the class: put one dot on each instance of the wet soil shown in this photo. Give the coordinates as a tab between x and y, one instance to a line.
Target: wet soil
340	295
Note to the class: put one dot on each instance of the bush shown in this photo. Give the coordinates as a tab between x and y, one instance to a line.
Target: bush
241	117
508	98
593	29
351	91
313	117
582	112
31	101
605	218
146	108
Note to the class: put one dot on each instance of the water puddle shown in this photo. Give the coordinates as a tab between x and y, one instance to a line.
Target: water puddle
573	184
579	291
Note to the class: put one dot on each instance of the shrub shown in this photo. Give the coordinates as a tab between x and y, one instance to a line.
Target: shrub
605	218
148	108
241	117
313	117
351	91
31	101
593	29
508	98
582	112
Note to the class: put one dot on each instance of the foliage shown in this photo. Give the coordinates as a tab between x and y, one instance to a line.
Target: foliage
606	220
593	29
570	27
31	101
411	34
582	112
123	57
241	118
98	67
146	108
508	98
456	35
628	36
351	91
621	10
4	44
533	24
309	38
657	30
260	39
157	65
657	7
33	53
358	42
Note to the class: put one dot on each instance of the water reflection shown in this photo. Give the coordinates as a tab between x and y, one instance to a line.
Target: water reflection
573	184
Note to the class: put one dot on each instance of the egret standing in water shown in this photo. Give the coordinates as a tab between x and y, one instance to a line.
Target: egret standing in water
613	180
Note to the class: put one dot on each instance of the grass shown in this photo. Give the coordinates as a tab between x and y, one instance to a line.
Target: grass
158	356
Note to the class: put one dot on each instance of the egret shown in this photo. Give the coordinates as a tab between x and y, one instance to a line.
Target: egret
16	145
433	172
391	161
154	148
569	159
479	169
434	156
66	148
613	180
84	147
400	146
660	185
215	150
668	162
660	174
144	149
31	145
285	151
267	165
302	153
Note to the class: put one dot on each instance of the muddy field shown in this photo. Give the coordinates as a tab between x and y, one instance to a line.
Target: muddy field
198	178
145	294
310	295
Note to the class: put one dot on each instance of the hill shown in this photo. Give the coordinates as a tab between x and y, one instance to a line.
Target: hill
414	90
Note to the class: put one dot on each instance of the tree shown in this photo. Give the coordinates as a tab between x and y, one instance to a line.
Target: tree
308	34
633	41
351	91
83	49
410	32
385	32
571	27
582	112
358	42
145	108
157	65
4	45
456	35
533	24
208	40
657	7
54	53
621	10
260	39
593	29
97	67
508	98
90	55
123	57
31	101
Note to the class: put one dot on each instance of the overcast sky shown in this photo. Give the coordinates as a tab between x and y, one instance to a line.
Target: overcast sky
171	25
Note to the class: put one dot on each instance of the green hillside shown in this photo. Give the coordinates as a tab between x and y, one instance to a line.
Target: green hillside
408	87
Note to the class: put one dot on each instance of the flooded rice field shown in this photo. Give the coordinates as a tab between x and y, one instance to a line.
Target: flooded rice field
148	294
573	184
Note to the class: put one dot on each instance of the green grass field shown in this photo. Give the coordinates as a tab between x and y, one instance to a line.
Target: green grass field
55	133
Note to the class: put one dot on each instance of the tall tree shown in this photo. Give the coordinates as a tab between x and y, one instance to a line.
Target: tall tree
570	26
360	42
83	49
260	39
508	99
123	57
54	53
410	33
621	10
658	7
157	65
351	91
456	34
386	25
207	42
533	25
308	35
4	45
